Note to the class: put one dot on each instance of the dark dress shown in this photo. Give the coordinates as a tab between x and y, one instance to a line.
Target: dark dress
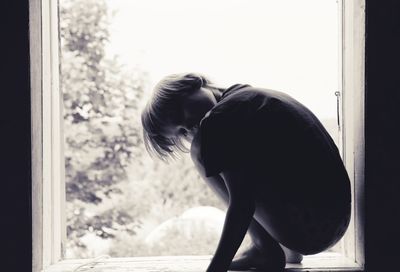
299	178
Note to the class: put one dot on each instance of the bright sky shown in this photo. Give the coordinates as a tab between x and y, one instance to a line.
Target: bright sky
287	45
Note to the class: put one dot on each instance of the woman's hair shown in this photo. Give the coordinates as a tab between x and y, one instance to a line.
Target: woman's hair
162	107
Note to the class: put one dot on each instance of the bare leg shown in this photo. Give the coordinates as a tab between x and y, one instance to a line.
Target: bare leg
264	253
263	249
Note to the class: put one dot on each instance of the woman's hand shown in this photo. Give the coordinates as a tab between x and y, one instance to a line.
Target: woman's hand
238	217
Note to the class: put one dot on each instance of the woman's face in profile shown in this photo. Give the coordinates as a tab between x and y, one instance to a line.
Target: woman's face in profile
194	107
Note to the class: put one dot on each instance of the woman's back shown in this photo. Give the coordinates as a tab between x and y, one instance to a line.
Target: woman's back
291	159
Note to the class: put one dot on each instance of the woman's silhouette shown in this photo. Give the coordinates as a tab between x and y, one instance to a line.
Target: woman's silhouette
266	155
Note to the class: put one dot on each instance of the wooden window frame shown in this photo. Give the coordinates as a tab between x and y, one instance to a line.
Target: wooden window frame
48	185
48	188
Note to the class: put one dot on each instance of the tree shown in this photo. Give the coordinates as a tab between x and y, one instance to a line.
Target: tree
100	99
114	190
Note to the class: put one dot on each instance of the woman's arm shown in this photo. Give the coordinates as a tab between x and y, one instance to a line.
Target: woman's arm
238	217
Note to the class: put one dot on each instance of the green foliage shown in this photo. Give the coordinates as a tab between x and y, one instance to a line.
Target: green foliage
100	99
99	104
114	190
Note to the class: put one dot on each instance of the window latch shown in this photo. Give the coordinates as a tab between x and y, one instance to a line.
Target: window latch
337	94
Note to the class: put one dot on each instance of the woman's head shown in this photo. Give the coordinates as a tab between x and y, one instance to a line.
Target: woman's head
174	112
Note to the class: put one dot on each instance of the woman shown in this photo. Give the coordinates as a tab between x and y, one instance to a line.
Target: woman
266	155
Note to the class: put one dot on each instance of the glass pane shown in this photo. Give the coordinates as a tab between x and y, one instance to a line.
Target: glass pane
120	202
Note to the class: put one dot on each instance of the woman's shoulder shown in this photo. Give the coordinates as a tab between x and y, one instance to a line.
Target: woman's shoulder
236	108
233	102
219	140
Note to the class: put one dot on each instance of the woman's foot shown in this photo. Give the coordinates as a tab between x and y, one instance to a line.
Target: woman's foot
265	260
292	256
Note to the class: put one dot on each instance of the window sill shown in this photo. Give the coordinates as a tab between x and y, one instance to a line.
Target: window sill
320	262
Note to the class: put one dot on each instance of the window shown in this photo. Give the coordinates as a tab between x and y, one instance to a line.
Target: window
50	222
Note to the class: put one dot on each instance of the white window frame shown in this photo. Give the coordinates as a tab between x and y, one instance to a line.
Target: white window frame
48	188
48	185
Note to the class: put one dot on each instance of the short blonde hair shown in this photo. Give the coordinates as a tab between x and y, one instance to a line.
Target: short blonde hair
164	106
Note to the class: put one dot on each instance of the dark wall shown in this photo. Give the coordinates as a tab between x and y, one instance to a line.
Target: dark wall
15	238
382	135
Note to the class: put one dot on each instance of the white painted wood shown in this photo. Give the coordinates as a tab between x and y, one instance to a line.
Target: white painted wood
359	121
320	262
53	163
35	29
343	241
47	137
353	59
57	139
347	98
48	191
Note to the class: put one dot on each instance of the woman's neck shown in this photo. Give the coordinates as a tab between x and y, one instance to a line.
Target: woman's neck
217	93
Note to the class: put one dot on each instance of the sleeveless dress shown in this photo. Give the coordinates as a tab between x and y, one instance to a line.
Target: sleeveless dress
297	165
